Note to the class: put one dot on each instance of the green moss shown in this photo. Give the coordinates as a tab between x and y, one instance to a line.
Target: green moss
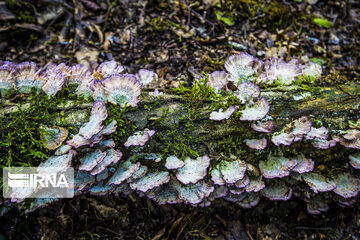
273	14
229	146
125	127
277	15
179	138
23	10
160	24
334	78
20	143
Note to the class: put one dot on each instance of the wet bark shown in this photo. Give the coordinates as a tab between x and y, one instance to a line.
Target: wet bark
333	106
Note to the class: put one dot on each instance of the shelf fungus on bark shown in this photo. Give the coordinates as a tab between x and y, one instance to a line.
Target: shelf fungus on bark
140	138
53	137
110	157
218	80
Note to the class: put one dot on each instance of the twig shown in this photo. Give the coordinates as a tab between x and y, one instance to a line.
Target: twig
198	15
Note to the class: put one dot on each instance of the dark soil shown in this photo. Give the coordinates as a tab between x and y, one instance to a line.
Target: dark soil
179	40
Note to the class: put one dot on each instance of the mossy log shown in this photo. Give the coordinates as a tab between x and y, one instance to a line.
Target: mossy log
333	106
183	128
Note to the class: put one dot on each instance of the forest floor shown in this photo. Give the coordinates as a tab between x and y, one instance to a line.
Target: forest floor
180	40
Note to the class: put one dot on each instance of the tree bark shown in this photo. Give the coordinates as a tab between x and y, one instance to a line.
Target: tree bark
333	106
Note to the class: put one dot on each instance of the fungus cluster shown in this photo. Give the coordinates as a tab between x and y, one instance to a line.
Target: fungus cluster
100	167
107	83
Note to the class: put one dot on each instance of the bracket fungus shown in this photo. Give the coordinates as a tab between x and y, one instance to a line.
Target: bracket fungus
318	183
140	138
218	80
53	137
122	89
277	190
222	115
172	162
184	177
276	167
193	170
355	160
255	111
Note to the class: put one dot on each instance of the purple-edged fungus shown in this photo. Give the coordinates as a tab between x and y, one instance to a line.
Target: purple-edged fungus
277	190
102	175
146	77
78	141
283	138
355	160
216	176
82	179
112	156
124	171
156	93
140	138
282	73
264	127
276	167
83	90
324	144
318	183
319	133
6	82
66	70
53	137
61	162
99	108
350	138
311	71
172	162
351	134
138	174
101	189
193	193
25	77
242	67
123	90
110	128
247	91
316	205
108	143
231	197
163	195
232	171
255	185
219	192
55	82
346	185
150	181
299	127
256	111
98	92
304	164
194	169
220	115
107	68
243	182
293	132
218	80
262	79
345	202
95	124
91	160
258	144
250	200
76	76
62	150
